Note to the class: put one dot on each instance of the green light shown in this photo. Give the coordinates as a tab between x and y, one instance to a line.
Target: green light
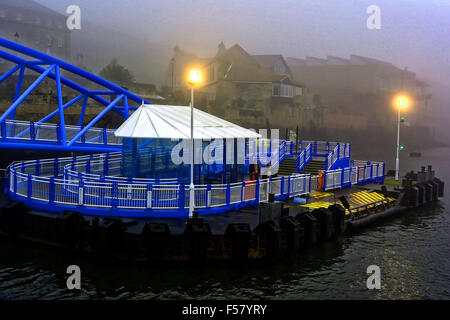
402	147
402	119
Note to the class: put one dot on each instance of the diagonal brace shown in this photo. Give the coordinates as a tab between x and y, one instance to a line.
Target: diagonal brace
94	121
26	93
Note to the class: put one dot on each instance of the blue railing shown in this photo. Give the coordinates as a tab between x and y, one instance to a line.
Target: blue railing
28	131
360	174
45	184
304	157
93	185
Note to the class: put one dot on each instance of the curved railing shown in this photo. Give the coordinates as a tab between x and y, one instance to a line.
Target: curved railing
40	184
82	183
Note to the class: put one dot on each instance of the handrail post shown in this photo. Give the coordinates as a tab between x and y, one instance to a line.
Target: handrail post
257	191
149	197
58	134
3	129
29	186
105	137
208	195
51	191
289	187
227	194
15	181
32	131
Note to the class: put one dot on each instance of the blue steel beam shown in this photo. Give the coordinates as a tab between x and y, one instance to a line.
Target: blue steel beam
68	104
49	116
18	88
26	93
94	121
62	123
83	109
66	66
71	84
10	72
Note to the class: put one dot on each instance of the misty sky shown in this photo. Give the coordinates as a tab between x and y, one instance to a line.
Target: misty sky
414	34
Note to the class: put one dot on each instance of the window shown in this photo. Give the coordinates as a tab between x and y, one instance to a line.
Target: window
275	90
286	91
298	91
279	67
282	90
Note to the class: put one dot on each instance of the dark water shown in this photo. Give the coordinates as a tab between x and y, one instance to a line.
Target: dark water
412	251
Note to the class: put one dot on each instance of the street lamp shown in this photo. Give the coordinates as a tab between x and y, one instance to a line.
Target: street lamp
401	102
195	78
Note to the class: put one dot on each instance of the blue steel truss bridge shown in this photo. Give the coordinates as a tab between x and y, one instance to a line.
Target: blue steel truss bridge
42	135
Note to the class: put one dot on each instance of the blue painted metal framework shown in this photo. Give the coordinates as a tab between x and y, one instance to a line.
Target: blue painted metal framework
93	185
61	137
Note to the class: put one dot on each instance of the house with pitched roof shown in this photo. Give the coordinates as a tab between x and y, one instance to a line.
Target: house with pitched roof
248	90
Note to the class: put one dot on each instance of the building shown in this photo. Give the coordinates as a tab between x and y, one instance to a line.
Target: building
247	89
361	87
35	26
274	62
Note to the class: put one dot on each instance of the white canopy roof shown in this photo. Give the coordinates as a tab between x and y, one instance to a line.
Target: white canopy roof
174	122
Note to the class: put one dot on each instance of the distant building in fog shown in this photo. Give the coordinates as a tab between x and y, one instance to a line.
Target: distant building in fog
361	87
31	24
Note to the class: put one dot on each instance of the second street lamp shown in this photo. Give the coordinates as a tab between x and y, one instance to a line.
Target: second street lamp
195	78
401	102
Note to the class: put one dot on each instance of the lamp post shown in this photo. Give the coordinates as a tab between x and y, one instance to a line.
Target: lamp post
401	102
194	79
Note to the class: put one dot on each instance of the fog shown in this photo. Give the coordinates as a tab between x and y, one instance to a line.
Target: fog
414	34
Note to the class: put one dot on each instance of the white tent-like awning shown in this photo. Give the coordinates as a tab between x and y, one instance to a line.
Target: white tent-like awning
174	122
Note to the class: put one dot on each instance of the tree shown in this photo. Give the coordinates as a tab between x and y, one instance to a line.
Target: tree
116	72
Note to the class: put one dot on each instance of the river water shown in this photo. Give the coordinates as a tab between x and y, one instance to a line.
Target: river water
412	251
